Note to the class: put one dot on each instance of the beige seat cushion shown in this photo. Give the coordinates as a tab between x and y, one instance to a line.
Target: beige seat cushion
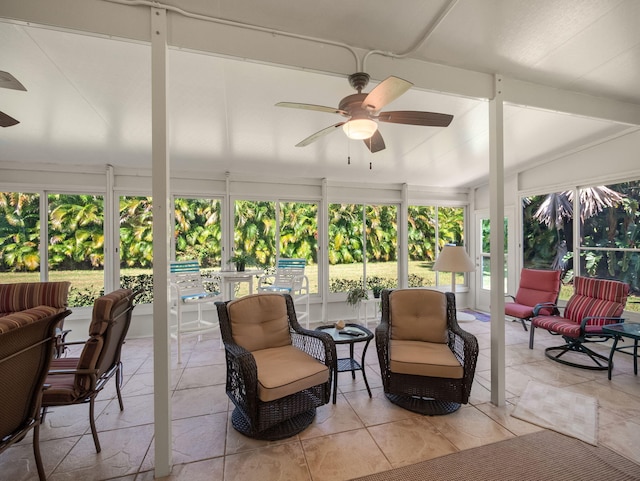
286	370
418	315
424	359
259	321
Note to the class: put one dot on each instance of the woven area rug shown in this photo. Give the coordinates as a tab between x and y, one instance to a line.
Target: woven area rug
561	410
480	316
544	455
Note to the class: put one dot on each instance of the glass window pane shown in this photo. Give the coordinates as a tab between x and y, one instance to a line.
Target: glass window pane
19	237
76	245
198	232
136	245
345	246
382	246
299	237
421	234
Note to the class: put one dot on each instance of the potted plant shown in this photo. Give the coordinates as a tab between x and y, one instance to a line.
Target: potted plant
241	260
356	295
376	289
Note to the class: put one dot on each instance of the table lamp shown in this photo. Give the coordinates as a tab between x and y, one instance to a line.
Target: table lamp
453	259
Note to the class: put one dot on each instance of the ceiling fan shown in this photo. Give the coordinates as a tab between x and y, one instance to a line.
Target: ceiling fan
8	81
363	112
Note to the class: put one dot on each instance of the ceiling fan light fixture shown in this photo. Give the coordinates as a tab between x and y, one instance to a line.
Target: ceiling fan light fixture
359	129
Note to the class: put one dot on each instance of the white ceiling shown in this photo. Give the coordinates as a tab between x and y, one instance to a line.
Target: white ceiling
88	99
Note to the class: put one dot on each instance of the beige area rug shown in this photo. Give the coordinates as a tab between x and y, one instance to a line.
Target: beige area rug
561	410
544	455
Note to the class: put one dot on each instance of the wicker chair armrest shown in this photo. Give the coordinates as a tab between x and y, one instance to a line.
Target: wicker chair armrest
315	343
242	378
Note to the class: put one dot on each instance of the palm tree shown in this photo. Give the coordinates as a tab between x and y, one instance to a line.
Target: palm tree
19	231
556	212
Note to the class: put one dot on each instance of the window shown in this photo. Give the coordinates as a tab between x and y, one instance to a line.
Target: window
609	243
19	237
198	231
362	246
136	245
76	245
430	228
292	233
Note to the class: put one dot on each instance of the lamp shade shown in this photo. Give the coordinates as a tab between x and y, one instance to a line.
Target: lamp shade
454	259
360	128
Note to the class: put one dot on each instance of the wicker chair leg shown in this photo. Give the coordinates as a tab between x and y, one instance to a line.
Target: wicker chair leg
427	406
285	429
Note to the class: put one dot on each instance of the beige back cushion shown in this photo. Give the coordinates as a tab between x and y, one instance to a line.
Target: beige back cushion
259	321
418	315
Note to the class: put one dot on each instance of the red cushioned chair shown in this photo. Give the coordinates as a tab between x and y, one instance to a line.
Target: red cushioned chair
537	287
594	303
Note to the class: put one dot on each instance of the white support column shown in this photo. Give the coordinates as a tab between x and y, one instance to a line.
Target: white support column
496	219
111	235
403	239
43	247
161	242
323	247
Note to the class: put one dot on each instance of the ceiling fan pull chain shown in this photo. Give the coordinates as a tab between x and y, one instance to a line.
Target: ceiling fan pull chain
370	165
348	160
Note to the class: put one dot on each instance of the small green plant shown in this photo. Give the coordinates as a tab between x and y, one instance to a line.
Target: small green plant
356	295
241	260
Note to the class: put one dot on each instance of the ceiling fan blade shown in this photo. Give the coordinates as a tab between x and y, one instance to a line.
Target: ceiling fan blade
7	120
375	143
412	117
8	81
387	91
320	133
318	108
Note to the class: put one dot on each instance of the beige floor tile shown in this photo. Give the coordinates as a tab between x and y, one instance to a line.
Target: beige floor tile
377	409
469	427
502	415
199	401
268	463
343	456
18	463
238	443
202	376
623	438
333	418
138	410
194	439
207	470
122	453
63	421
410	441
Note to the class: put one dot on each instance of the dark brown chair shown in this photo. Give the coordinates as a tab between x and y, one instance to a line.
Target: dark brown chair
26	348
538	287
427	362
76	380
278	373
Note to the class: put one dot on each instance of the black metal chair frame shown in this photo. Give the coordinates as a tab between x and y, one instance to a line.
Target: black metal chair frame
284	417
425	394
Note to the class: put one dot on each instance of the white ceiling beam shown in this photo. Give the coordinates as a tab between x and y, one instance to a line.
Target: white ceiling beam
560	100
242	41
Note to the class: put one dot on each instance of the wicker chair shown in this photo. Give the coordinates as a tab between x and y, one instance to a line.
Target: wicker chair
278	373
78	380
27	345
427	361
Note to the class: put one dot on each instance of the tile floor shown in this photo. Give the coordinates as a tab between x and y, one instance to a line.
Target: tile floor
355	437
